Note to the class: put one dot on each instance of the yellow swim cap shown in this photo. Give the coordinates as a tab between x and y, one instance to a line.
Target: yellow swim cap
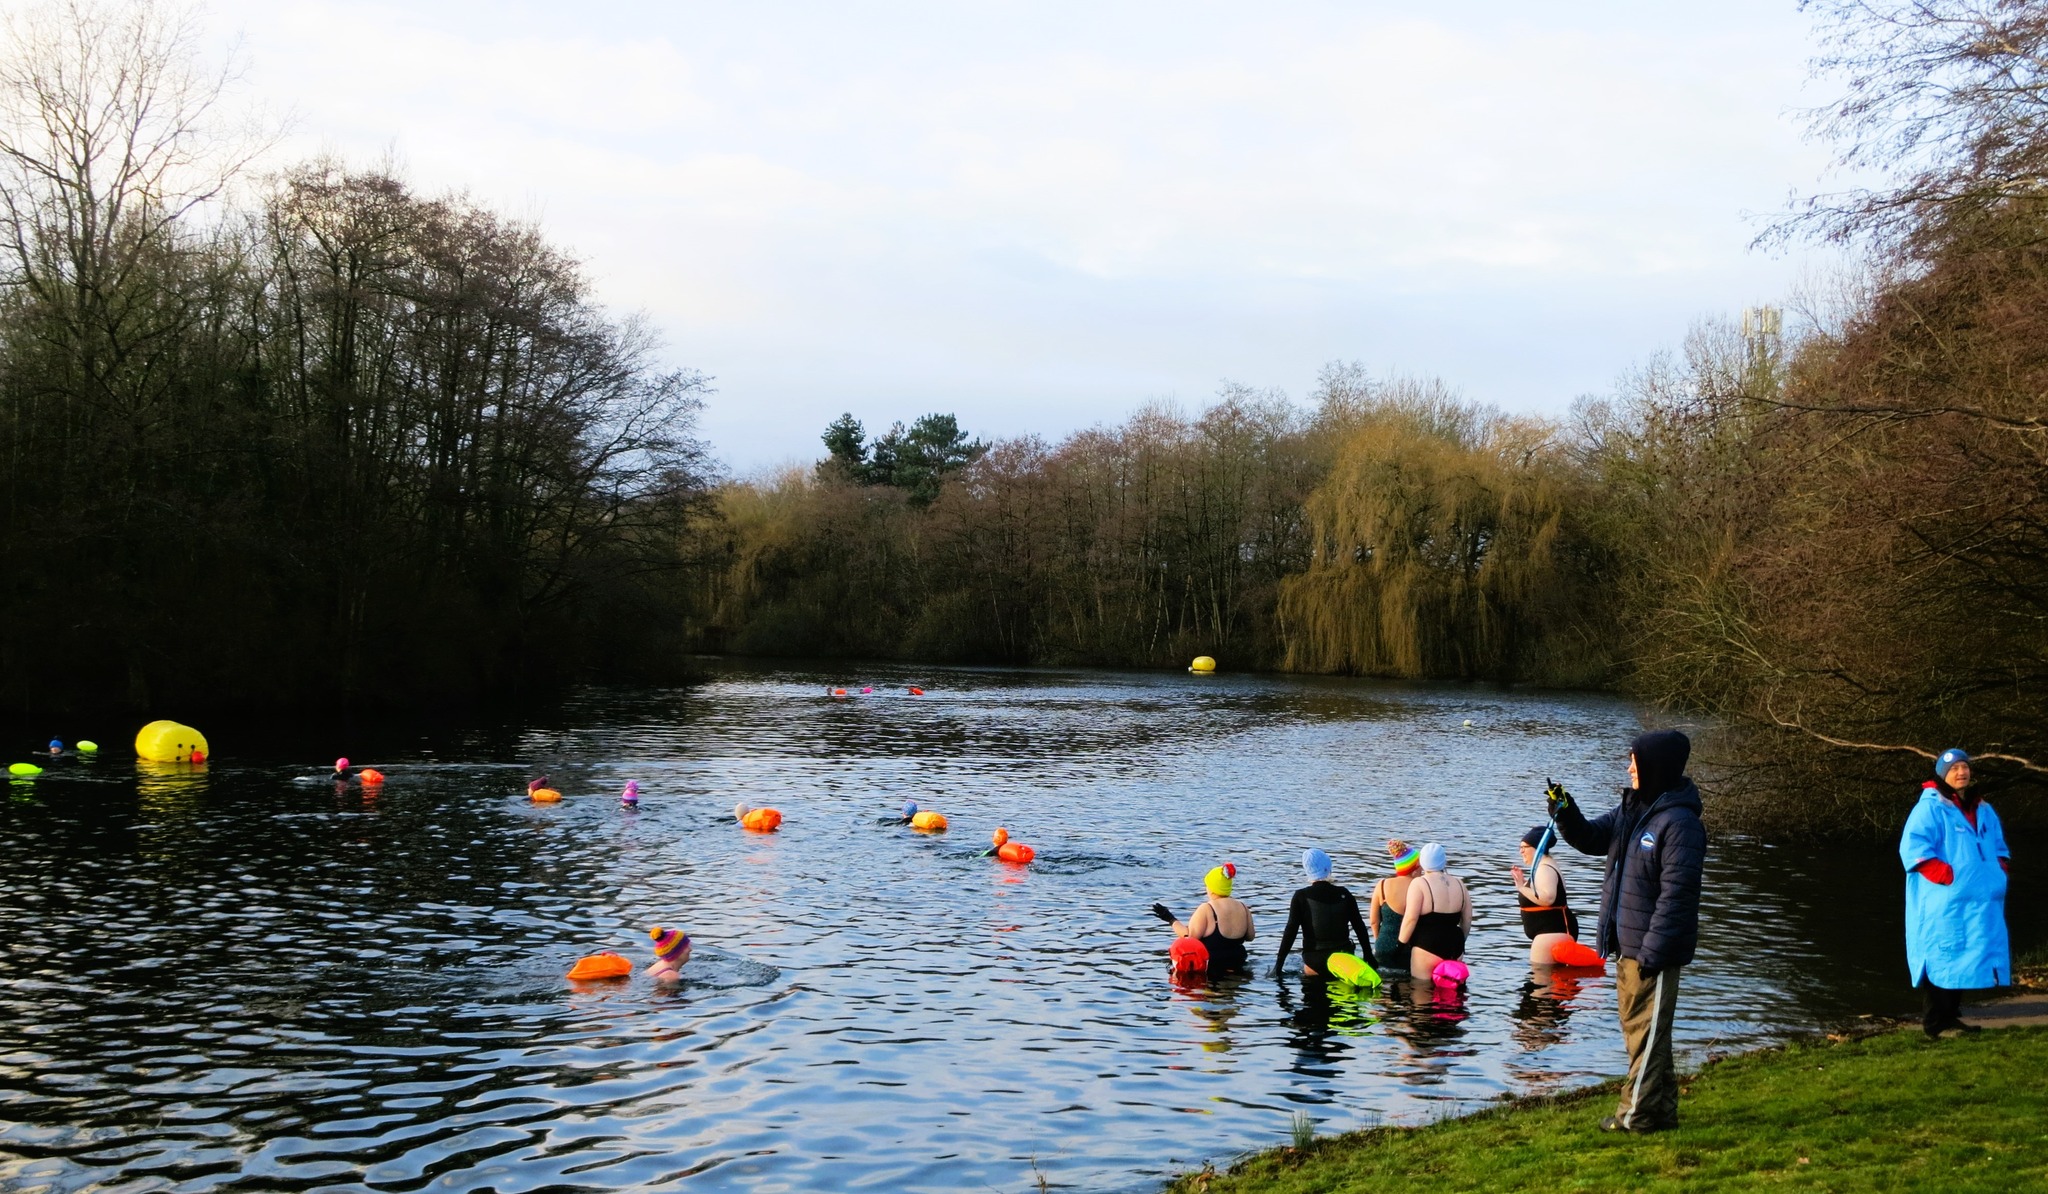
1218	879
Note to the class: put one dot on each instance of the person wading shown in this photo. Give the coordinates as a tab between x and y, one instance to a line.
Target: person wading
1956	863
1649	911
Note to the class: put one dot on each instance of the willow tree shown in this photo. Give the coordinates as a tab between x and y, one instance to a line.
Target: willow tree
1435	541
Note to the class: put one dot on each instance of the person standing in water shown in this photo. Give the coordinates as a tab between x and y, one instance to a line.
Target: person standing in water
1956	865
1439	916
1223	925
1546	912
1391	893
1323	913
1649	911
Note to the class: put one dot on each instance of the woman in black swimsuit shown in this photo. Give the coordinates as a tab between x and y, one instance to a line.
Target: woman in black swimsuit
1439	915
1547	917
1220	923
1324	914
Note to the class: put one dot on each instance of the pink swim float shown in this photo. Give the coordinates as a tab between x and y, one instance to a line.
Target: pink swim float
1450	973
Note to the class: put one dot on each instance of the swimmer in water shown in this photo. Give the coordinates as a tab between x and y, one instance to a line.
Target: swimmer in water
1547	917
1439	916
342	778
671	954
56	750
1323	913
535	785
1223	925
1391	894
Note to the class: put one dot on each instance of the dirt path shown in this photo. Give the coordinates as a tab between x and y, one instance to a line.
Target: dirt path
2013	1012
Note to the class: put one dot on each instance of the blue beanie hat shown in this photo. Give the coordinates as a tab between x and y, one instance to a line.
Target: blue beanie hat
1316	863
1948	759
909	809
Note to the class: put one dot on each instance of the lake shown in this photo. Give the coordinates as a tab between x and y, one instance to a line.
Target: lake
237	977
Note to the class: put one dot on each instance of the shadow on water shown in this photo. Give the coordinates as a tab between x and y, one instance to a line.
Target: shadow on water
241	977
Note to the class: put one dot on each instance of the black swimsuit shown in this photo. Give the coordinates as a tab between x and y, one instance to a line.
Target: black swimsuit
1538	919
1226	954
1439	933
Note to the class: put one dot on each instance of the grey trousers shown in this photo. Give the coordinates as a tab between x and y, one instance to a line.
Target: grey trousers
1649	1097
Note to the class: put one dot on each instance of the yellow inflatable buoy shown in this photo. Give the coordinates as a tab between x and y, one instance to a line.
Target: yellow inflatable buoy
24	769
88	747
169	742
1202	665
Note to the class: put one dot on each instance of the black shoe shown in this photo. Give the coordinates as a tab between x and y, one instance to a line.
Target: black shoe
1969	1028
1612	1124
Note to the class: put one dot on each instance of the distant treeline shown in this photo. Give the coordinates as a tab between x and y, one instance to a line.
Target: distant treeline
335	443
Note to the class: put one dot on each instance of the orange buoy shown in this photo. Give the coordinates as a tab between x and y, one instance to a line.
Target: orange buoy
1010	851
928	821
1574	953
370	777
1188	956
916	691
760	820
839	694
545	795
604	965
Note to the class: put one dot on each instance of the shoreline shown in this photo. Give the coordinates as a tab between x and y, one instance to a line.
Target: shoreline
1872	1107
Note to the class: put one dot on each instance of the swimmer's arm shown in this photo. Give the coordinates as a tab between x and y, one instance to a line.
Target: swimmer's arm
1374	913
1249	931
1465	917
1293	929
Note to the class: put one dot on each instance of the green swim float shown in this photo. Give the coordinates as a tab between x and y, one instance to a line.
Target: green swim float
26	769
1351	968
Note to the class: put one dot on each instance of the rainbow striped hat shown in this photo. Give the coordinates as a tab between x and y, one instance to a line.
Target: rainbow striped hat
1408	863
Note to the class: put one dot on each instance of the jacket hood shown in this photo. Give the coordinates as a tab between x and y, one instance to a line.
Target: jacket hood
1661	756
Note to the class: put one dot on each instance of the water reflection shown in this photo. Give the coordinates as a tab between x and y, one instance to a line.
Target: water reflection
224	976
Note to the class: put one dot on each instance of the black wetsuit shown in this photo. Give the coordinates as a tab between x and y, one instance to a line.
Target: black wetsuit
1538	919
1226	954
1325	915
1439	933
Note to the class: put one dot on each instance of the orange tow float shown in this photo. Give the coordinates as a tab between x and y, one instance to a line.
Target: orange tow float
760	820
602	965
1010	851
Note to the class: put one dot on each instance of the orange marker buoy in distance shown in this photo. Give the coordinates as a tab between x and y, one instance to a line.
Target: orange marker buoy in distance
916	691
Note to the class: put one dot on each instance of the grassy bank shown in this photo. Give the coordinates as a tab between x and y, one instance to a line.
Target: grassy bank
1886	1112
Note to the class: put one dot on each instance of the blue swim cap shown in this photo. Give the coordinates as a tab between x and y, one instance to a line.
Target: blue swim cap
909	808
1316	863
1948	759
56	744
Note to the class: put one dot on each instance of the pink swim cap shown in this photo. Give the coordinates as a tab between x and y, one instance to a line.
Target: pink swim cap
341	764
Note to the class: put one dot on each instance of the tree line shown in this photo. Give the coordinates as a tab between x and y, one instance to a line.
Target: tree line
327	442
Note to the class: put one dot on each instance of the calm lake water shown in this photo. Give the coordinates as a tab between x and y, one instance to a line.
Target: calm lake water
238	979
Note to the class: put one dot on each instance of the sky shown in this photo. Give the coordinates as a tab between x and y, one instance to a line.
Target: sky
1042	216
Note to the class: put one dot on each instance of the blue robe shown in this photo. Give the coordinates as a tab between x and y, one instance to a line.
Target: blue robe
1955	933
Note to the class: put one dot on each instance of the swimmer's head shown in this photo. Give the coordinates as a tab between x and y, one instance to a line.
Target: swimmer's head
341	764
909	809
1408	863
1433	857
1218	880
1001	837
1316	864
669	944
740	811
535	785
56	744
632	793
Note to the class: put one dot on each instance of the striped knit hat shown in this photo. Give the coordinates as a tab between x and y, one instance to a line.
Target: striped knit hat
1409	863
668	942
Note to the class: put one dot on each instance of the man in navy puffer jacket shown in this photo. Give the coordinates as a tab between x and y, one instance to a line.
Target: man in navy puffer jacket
1649	911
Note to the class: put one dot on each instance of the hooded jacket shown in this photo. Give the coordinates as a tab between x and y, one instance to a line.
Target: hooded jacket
1655	845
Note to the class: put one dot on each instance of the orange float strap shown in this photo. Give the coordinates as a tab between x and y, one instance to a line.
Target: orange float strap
602	965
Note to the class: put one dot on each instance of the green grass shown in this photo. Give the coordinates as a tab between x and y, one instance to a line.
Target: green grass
1888	1112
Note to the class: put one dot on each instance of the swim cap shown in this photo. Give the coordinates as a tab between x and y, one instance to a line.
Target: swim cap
1534	837
1406	864
668	942
1218	879
740	811
56	744
1316	863
341	764
632	793
1432	857
909	809
535	785
1948	759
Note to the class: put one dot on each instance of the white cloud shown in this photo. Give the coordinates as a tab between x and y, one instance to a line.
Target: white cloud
1040	215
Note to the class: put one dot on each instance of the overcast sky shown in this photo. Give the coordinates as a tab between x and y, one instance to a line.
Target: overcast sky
1042	215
